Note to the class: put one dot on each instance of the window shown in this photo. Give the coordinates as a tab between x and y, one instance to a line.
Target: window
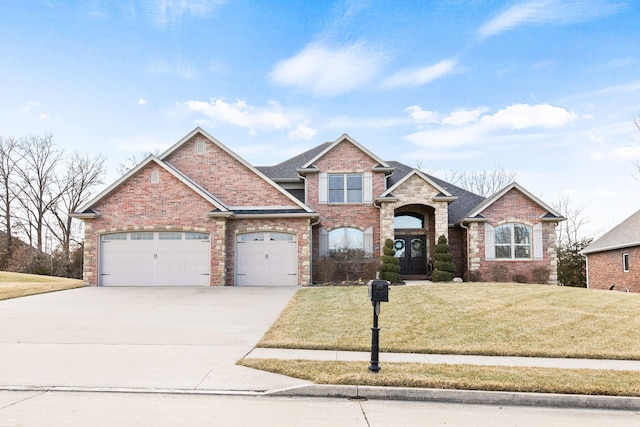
142	236
200	148
625	262
155	177
346	238
196	236
345	188
114	236
408	220
513	241
170	235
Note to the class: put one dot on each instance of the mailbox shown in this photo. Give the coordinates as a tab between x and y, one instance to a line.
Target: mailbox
379	291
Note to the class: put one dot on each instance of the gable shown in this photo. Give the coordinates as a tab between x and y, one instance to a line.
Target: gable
518	199
226	175
345	145
514	205
164	201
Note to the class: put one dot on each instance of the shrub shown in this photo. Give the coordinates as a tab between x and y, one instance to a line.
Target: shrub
540	275
325	269
473	276
499	273
390	267
348	261
443	265
520	278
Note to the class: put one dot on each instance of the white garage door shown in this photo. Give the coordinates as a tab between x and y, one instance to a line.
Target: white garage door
168	258
269	259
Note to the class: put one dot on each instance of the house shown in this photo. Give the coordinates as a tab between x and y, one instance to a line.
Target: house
199	214
612	260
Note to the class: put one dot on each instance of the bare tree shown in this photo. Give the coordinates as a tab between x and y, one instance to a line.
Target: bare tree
83	174
40	188
570	242
8	154
484	182
133	160
569	231
636	163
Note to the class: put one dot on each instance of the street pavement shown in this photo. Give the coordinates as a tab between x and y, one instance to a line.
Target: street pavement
113	354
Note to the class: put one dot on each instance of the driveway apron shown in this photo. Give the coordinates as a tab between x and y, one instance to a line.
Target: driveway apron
139	338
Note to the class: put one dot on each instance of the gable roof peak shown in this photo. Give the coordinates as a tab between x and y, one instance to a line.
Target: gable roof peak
345	137
623	235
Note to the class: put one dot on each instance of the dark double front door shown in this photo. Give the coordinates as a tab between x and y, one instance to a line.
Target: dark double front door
412	253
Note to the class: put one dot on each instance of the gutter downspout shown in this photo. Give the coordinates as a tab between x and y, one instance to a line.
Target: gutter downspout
468	248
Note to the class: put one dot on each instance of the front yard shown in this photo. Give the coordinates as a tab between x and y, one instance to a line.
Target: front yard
14	285
467	318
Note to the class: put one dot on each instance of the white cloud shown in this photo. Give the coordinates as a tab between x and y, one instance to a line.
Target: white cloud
302	131
419	76
463	117
171	11
44	116
329	71
28	106
548	11
142	101
522	116
628	152
271	117
422	116
180	68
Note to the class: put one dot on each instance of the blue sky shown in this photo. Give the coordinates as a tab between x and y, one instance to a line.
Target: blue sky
546	88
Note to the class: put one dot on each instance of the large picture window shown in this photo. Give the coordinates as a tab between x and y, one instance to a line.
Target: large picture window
346	238
345	188
513	241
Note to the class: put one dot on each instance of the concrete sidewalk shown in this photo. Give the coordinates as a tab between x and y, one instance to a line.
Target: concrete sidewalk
449	359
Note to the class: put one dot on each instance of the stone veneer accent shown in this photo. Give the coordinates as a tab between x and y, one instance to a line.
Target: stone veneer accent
414	191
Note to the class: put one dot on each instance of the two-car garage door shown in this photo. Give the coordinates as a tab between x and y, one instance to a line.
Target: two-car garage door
175	258
169	258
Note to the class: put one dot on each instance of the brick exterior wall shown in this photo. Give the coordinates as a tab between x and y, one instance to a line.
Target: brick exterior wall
605	269
345	158
137	204
224	176
514	207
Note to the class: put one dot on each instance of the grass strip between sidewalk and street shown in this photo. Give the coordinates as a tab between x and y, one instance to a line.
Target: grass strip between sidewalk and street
462	377
14	285
496	319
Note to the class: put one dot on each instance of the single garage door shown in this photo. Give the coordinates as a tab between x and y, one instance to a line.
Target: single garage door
269	259
167	258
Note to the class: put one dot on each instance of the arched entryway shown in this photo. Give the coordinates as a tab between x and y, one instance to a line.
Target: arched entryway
413	229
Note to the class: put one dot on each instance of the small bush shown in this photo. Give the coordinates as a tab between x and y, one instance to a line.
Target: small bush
325	269
473	276
520	278
540	275
390	267
499	273
443	266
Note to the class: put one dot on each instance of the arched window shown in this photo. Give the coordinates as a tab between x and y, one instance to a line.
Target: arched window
408	220
513	241
346	238
200	148
155	177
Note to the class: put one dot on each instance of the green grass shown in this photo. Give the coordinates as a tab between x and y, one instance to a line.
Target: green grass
14	285
485	319
464	377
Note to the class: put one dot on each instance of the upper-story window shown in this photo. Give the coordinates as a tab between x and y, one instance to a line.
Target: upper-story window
155	177
200	148
345	188
513	241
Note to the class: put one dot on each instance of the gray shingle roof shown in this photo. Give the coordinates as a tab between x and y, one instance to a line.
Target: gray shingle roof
623	235
287	169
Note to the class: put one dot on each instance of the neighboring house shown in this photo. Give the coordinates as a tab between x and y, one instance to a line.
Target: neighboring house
199	214
613	259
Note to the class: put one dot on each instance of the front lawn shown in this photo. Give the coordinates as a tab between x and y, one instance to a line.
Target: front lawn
13	285
467	318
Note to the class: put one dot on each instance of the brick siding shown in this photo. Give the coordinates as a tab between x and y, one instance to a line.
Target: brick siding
606	270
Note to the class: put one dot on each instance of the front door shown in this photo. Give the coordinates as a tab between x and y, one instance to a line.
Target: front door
412	253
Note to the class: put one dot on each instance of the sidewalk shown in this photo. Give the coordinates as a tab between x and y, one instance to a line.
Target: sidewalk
451	359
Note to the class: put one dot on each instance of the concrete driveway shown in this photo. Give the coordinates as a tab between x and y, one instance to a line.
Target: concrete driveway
139	338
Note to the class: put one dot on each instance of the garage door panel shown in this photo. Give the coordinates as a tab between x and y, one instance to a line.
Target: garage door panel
144	259
272	260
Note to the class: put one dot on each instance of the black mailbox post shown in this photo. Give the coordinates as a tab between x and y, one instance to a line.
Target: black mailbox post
378	292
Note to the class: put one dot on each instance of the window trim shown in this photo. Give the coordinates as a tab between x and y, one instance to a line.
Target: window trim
625	262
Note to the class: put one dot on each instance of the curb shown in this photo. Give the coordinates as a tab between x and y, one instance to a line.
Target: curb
470	397
463	396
